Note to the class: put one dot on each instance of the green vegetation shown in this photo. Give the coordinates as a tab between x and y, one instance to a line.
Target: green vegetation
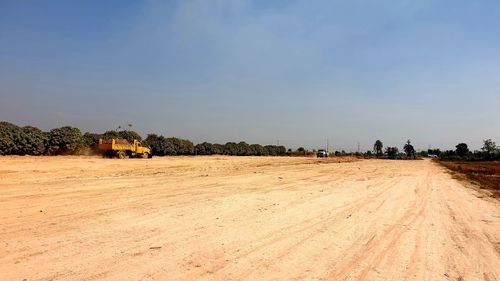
300	152
28	140
409	150
488	152
392	152
377	148
162	146
64	141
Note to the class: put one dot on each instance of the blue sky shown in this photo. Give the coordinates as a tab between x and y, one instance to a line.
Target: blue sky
261	71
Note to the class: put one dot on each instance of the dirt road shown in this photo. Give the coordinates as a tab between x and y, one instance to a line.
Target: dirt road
223	218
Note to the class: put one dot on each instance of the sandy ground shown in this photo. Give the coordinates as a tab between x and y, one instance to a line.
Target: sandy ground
233	218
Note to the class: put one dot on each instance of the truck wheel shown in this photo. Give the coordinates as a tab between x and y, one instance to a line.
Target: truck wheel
145	155
121	154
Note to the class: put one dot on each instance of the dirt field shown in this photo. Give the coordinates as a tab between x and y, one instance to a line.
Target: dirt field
233	218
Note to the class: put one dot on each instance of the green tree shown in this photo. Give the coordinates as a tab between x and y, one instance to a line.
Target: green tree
258	149
275	150
409	149
281	150
91	141
392	152
110	135
204	148
377	148
218	149
156	143
34	142
462	149
231	148
489	148
12	139
435	151
64	141
244	149
130	136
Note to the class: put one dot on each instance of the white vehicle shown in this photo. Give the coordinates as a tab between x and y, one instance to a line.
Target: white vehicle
322	153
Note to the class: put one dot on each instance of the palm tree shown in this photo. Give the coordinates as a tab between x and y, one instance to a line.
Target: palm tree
409	150
377	148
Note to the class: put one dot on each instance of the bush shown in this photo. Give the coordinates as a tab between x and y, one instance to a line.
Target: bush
275	150
35	141
434	151
181	146
130	136
244	149
162	146
12	139
300	152
258	150
204	148
231	148
64	141
110	135
218	149
91	141
69	140
392	152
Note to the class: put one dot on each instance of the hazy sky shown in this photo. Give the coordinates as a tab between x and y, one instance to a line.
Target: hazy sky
225	70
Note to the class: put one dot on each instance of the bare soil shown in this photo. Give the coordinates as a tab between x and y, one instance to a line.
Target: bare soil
234	218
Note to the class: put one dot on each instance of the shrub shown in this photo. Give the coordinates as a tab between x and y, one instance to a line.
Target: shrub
110	135
35	141
204	148
162	146
64	141
12	139
392	152
130	136
258	149
231	148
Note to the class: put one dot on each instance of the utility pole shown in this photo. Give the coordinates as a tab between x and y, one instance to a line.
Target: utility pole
327	145
358	146
278	142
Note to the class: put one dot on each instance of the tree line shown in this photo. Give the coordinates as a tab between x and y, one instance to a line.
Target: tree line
28	140
161	146
489	151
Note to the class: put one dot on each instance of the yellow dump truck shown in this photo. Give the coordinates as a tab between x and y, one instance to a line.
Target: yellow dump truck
121	148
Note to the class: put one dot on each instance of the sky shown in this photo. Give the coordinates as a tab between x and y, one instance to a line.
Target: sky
298	72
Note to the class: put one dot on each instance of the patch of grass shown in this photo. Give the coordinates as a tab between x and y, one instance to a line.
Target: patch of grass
486	174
